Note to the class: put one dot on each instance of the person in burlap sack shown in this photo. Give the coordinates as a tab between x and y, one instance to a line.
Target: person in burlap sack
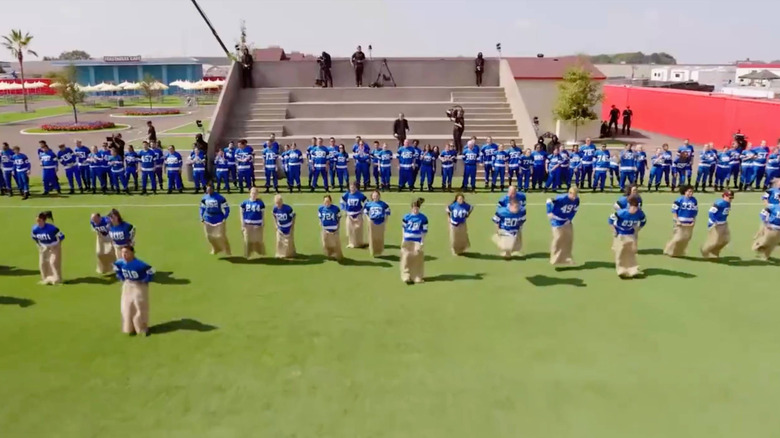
509	222
718	234
49	240
252	224
121	233
284	217
768	239
458	212
352	204
561	211
414	226
104	249
684	211
330	218
214	211
626	223
377	211
135	276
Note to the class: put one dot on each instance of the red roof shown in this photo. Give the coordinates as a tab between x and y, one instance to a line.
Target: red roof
758	65
550	68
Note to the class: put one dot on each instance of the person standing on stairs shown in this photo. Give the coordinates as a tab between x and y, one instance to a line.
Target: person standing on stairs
479	68
358	58
400	129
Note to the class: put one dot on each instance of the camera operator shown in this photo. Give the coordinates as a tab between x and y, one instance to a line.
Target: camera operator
116	142
326	78
479	68
358	58
456	116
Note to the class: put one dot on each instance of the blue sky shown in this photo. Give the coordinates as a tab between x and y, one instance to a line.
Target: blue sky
713	31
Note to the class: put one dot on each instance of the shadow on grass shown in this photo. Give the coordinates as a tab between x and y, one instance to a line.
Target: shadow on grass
544	281
736	261
480	256
105	281
392	247
454	277
658	272
163	277
587	266
14	301
395	258
352	262
651	251
185	324
16	272
300	259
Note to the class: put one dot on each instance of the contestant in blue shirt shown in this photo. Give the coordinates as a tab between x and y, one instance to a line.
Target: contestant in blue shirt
121	233
718	234
352	203
684	211
104	247
561	211
377	211
135	276
458	213
768	238
415	227
509	222
330	217
626	224
214	211
49	240
252	226
68	160
284	217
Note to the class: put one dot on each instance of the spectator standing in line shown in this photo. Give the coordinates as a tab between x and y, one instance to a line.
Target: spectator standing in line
400	129
357	61
627	116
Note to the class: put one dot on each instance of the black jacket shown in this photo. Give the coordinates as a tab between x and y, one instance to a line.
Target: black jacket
400	127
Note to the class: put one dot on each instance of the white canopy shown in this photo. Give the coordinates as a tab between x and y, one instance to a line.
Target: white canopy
126	85
8	86
159	86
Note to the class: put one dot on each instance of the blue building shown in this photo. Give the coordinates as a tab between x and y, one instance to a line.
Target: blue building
118	69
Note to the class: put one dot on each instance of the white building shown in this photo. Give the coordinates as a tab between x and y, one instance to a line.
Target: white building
715	75
744	68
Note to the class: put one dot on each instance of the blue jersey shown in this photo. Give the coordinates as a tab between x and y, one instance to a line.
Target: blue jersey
406	157
198	159
159	157
131	161
500	159
487	152
243	160
122	234
252	212
363	159
269	158
7	160
47	235
116	164
352	203
736	157
772	196
761	153
21	163
773	162
685	148
562	209
173	161
458	213
329	217
48	160
319	156
385	159
147	160
770	216
657	161
724	160
526	161
627	161
356	148
134	270
332	152
519	197
414	226
377	211
274	146
627	223
81	152
284	217
342	160
667	158
427	159
66	157
681	164
686	209
102	226
641	159
508	222
538	158
622	202
471	156
575	160
747	158
214	209
375	156
230	155
601	160
553	162
514	157
294	158
221	164
719	212
707	158
564	157
588	152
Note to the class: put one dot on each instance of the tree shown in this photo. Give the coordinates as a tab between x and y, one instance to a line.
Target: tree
578	94
150	88
74	55
18	44
67	88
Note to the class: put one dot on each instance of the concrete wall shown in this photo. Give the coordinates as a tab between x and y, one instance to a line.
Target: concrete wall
407	73
520	113
223	112
540	97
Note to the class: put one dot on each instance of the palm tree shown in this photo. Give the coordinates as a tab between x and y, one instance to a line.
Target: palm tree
18	45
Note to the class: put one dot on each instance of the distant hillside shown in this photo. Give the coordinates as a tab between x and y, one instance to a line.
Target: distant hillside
634	58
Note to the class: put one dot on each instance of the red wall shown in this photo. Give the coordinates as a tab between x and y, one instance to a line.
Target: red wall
43	90
701	117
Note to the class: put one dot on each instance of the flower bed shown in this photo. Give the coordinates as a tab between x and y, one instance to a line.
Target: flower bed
152	112
81	126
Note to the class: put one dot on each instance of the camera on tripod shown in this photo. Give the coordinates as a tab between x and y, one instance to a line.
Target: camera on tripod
455	112
381	77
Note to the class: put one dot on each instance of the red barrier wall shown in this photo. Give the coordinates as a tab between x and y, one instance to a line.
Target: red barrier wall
41	91
701	117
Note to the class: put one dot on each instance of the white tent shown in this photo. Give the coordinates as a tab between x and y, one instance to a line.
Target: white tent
34	85
8	86
126	85
159	86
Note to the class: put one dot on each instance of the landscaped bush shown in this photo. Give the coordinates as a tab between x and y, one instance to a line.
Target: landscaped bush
152	112
81	126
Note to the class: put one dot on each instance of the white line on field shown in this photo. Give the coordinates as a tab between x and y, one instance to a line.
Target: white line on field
314	204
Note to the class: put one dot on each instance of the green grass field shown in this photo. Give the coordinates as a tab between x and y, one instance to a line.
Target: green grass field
51	111
118	127
190	128
312	348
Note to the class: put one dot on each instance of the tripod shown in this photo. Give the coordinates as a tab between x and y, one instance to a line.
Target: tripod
383	77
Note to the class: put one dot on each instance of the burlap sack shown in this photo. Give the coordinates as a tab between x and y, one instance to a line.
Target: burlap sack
766	242
412	262
331	244
106	255
625	248
253	240
459	238
508	244
285	244
561	246
355	235
718	236
681	236
50	263
376	238
217	237
135	307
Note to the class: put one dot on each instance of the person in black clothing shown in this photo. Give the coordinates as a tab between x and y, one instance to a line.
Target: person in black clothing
604	130
400	128
553	145
151	133
326	78
201	143
741	140
117	143
479	68
357	61
459	125
614	115
627	115
247	62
